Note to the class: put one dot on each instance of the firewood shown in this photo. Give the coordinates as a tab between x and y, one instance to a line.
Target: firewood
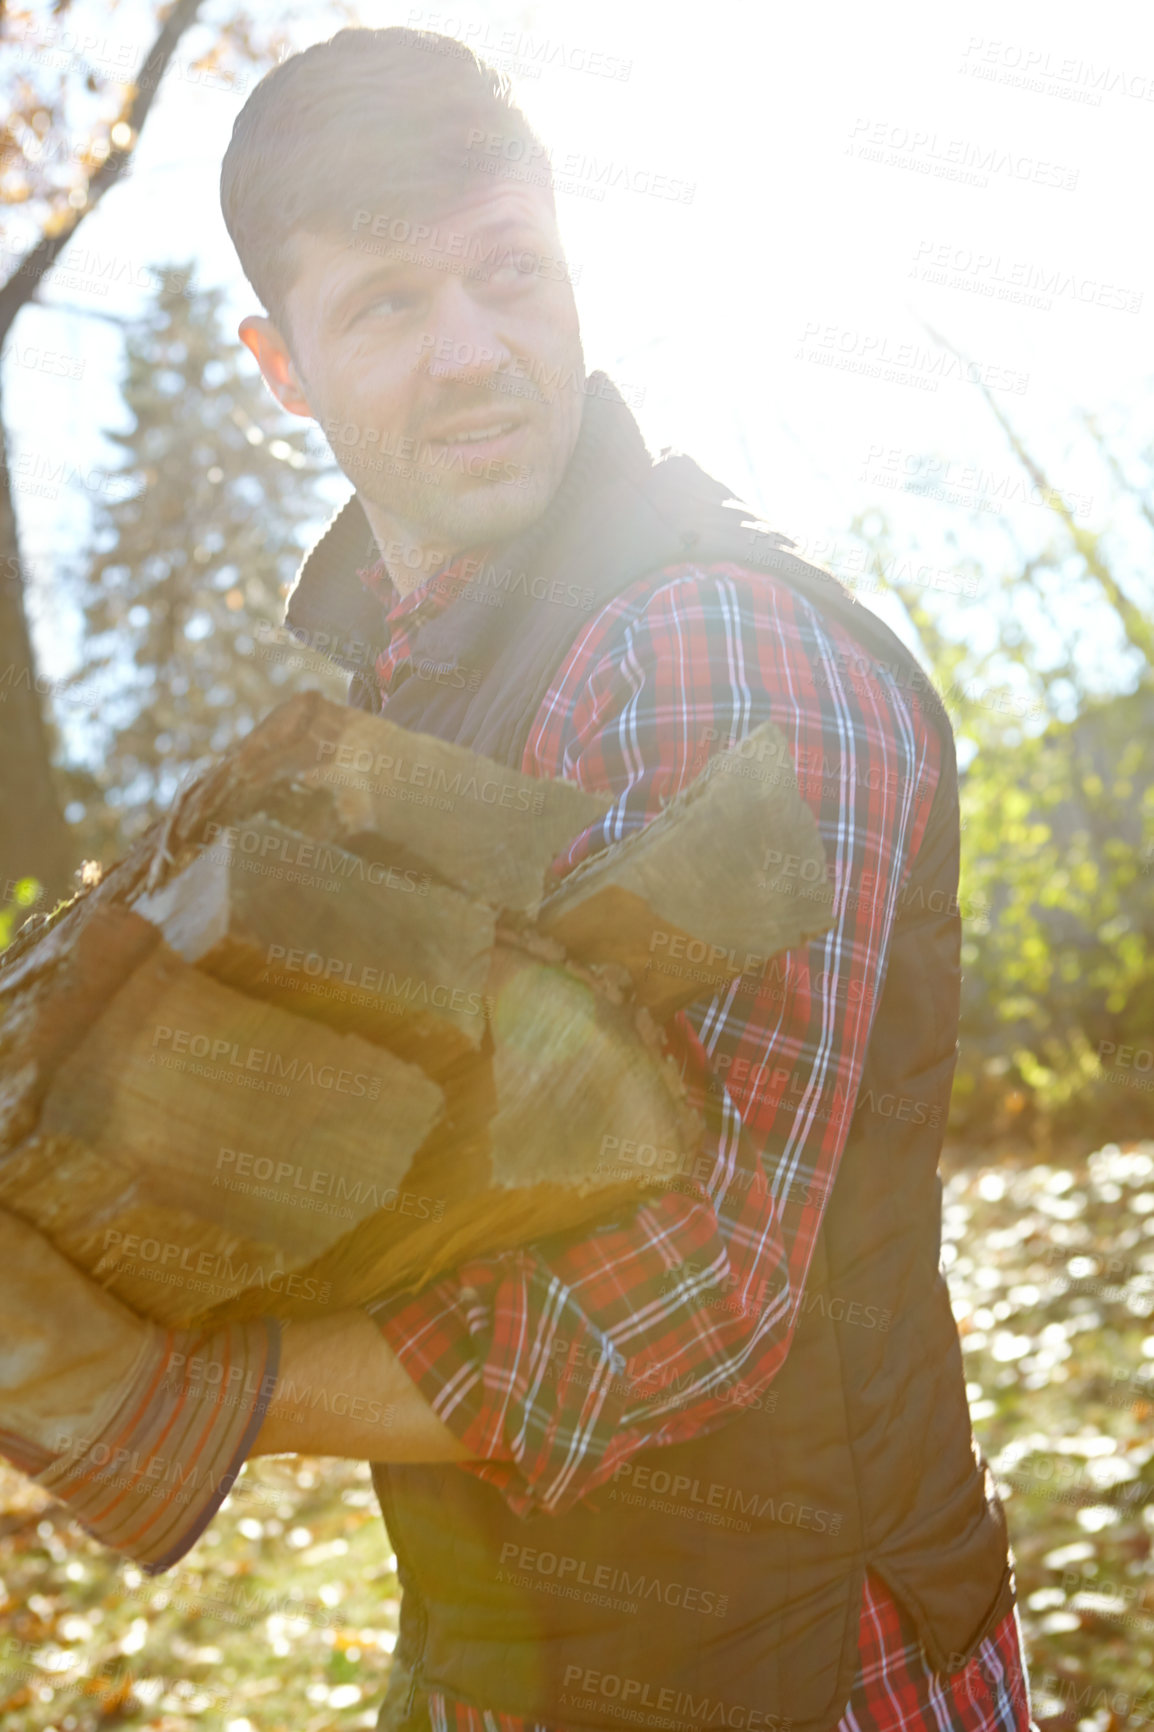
197	1118
51	996
323	1035
374	787
698	897
572	1072
362	945
523	1149
204	1153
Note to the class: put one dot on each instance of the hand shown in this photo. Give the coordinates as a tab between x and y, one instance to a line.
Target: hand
68	1350
140	1431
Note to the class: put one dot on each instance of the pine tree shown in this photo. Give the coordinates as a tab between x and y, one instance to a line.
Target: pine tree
217	495
54	172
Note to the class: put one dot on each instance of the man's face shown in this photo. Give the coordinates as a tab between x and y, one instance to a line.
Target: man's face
445	368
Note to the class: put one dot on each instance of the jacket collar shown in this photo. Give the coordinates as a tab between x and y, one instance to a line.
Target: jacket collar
329	607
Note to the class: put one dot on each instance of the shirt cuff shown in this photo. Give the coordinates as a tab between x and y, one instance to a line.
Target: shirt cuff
510	1362
152	1476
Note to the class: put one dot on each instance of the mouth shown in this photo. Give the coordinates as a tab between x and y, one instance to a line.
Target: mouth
494	437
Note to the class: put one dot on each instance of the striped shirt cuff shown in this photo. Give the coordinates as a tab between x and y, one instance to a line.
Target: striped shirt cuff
149	1481
29	1457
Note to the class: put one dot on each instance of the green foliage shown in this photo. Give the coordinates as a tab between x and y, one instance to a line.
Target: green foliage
1058	834
1057	800
25	895
185	585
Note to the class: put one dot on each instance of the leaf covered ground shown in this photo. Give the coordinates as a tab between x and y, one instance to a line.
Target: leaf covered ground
1051	1268
283	1617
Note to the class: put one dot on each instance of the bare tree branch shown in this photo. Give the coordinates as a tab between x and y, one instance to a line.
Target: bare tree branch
1115	469
1138	629
22	284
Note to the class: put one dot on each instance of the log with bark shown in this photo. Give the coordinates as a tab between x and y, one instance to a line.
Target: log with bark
333	1027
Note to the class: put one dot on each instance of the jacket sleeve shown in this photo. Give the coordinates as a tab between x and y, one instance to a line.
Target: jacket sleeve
557	1362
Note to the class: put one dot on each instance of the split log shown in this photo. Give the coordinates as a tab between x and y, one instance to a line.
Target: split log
52	995
521	1152
375	949
490	831
196	1141
206	1153
698	897
573	1075
397	798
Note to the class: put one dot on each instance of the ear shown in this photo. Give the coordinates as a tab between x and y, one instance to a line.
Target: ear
276	364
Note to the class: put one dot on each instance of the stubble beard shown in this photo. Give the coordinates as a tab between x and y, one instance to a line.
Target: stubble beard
479	513
440	504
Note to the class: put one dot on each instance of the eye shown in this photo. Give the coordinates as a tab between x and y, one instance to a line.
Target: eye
514	270
394	303
390	305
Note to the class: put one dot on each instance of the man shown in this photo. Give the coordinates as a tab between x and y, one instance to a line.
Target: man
710	1464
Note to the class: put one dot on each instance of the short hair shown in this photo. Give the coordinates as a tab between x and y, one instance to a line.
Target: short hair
381	120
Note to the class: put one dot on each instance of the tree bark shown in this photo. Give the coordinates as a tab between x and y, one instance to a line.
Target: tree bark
34	841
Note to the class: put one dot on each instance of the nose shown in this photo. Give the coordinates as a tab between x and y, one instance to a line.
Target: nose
464	345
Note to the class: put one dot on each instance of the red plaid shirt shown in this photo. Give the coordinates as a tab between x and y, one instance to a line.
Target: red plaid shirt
666	675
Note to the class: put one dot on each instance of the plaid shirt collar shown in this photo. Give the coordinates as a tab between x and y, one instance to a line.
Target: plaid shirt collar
406	616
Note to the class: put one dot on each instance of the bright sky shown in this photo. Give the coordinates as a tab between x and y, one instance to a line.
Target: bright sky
856	173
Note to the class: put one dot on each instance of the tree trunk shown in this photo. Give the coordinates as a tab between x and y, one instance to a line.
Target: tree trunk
34	839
